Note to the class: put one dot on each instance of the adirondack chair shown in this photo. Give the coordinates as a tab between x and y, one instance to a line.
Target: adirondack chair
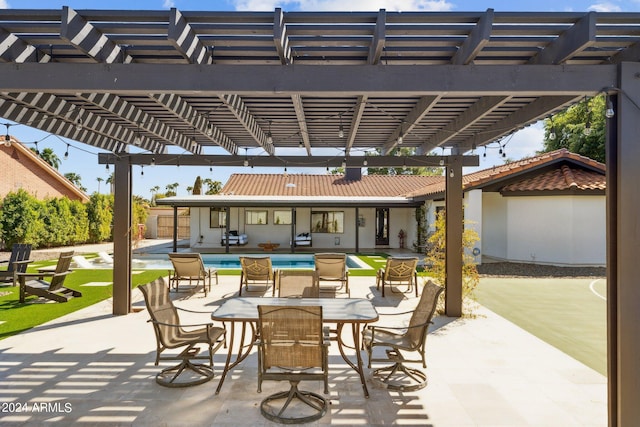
34	283
18	262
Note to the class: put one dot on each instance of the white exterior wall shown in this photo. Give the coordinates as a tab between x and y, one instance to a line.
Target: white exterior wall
557	230
399	219
494	226
473	217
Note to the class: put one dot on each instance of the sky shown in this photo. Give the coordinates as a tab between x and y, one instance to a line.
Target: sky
83	159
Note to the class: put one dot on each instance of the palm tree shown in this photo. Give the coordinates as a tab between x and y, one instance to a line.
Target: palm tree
99	181
49	156
76	179
171	189
154	192
111	181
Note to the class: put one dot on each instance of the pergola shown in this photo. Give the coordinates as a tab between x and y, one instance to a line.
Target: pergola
221	88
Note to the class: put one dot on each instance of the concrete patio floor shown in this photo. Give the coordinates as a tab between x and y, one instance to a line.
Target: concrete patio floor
92	368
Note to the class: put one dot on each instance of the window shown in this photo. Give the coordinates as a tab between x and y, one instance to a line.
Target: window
327	222
255	217
217	218
281	217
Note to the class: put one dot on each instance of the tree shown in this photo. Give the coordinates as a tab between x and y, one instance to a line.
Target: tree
171	189
404	151
49	156
154	194
213	187
99	181
197	186
580	129
76	179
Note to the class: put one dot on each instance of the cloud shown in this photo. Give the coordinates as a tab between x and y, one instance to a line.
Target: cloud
4	4
341	5
167	4
605	7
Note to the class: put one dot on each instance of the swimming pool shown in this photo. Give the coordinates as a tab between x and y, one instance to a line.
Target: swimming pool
232	261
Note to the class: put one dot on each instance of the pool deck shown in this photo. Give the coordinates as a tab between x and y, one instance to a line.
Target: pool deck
93	368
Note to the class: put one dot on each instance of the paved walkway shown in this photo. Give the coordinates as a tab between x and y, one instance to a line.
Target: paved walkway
92	368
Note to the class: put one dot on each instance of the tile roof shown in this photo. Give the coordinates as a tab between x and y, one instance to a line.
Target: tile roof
558	170
560	179
572	171
325	185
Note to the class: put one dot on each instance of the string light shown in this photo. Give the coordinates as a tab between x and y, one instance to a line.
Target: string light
66	153
587	125
269	135
246	160
141	170
610	112
7	137
341	129
153	161
552	132
37	151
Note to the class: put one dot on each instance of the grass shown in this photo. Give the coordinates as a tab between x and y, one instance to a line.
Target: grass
563	312
18	317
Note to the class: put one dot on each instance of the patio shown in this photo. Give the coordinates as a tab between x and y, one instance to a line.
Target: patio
95	368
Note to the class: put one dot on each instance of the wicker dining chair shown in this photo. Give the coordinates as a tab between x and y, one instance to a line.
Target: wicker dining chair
172	334
398	271
332	267
396	340
189	266
298	284
257	270
293	346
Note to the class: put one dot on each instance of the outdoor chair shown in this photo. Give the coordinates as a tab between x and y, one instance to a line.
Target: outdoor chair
171	334
257	270
332	267
105	257
398	271
298	284
293	346
411	338
189	266
18	262
35	283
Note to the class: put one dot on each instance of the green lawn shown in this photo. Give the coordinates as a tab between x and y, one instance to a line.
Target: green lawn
17	317
565	313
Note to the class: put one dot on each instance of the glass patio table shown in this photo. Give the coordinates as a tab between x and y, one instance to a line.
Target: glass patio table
341	311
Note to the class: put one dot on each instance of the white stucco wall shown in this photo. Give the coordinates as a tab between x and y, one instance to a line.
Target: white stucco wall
560	230
399	219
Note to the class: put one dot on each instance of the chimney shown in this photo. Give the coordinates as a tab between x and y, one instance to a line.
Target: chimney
353	174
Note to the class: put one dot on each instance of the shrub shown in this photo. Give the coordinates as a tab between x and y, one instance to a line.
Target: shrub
436	258
20	219
100	216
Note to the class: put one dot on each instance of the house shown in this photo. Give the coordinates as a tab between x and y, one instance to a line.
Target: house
545	209
21	168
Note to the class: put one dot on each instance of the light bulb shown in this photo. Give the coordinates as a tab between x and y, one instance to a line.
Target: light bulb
587	129
610	112
269	138
246	163
341	132
79	124
552	135
7	140
365	162
400	139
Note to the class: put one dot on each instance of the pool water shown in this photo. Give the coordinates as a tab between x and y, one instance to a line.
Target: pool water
232	261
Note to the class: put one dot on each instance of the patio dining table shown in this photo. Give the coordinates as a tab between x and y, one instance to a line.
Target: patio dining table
341	311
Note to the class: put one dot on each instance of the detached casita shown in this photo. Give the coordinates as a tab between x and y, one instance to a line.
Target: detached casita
546	209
